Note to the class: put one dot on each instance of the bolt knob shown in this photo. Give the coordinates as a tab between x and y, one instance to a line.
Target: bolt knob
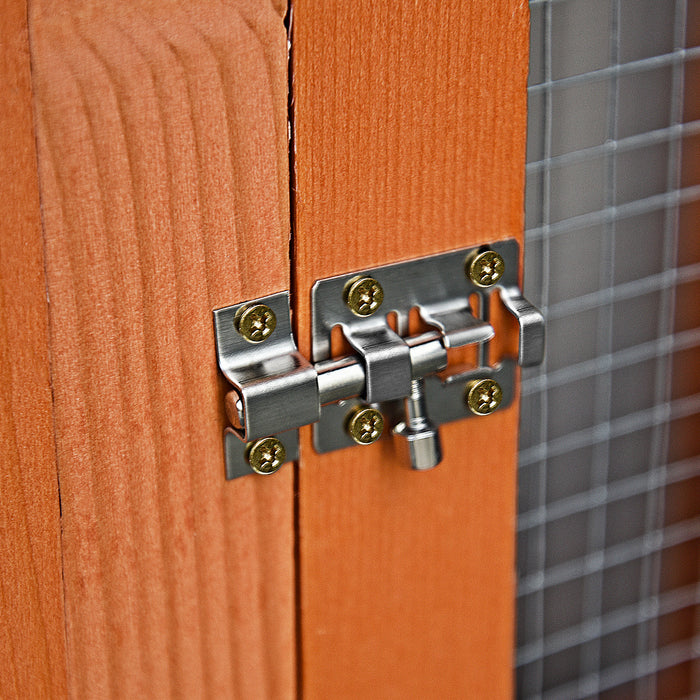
418	430
483	396
266	456
365	425
423	444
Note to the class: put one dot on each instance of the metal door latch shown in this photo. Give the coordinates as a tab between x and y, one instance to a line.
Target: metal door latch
392	377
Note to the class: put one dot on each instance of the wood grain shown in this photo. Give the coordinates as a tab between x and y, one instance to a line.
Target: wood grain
32	640
162	146
409	140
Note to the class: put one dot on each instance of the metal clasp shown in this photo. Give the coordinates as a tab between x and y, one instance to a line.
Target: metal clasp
392	380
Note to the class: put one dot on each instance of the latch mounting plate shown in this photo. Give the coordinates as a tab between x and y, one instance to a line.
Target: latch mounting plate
402	381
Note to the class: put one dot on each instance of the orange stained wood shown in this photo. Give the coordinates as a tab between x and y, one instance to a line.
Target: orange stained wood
162	150
32	642
409	132
681	564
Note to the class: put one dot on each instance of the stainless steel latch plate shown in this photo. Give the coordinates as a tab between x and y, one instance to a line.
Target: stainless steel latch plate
438	288
391	380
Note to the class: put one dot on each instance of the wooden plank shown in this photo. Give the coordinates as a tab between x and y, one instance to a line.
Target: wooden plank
409	140
162	143
681	564
32	639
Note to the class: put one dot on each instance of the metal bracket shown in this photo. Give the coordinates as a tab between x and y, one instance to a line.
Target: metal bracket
393	377
268	375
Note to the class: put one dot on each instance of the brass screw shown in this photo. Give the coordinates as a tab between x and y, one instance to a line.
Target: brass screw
483	396
256	322
365	425
364	295
485	269
266	456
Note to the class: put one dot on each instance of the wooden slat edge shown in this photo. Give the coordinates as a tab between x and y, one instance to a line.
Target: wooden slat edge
409	140
163	169
32	636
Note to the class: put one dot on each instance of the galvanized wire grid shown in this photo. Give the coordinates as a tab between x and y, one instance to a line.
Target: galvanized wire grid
600	613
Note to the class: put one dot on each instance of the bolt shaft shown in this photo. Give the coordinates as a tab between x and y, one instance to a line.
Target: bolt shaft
419	431
416	412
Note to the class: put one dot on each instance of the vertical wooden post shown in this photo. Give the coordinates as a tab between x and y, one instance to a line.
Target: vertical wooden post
409	140
32	643
162	146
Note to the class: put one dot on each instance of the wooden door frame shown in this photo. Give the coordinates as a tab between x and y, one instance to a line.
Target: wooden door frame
147	150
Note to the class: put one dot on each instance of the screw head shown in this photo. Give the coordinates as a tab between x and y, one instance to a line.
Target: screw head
483	396
365	425
485	269
363	295
256	322
266	456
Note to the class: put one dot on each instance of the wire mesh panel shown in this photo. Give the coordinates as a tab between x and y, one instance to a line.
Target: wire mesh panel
609	504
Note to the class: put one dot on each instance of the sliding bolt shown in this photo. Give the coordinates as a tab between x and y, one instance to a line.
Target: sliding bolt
256	322
266	456
363	295
365	425
485	269
483	396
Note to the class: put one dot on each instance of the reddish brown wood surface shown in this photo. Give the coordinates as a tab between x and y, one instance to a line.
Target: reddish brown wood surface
163	169
409	140
681	563
32	643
